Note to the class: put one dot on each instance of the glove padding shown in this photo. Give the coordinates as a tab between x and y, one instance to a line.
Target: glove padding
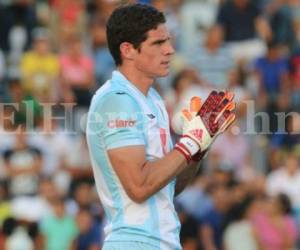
203	123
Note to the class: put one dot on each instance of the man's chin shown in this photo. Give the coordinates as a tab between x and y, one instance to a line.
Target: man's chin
164	73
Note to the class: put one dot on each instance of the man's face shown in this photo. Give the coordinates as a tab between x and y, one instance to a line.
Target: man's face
154	55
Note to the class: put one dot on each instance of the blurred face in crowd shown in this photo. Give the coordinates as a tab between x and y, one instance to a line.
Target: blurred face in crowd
273	53
98	34
241	3
84	221
161	5
41	46
292	164
273	206
48	190
59	208
214	37
75	48
16	91
83	194
221	198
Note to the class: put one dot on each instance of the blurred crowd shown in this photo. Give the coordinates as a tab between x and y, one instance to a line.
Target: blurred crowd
54	56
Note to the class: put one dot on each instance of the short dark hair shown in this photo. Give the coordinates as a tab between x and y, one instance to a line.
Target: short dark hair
130	23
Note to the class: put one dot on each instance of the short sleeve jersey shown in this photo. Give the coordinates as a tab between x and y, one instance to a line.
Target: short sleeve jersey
119	116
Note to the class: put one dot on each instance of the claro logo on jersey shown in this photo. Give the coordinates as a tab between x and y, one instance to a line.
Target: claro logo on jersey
121	123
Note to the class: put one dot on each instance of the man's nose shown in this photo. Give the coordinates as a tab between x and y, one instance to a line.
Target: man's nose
169	49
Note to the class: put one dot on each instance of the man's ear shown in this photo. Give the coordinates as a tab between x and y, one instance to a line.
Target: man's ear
127	51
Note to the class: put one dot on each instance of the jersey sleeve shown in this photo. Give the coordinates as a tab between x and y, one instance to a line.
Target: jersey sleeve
121	121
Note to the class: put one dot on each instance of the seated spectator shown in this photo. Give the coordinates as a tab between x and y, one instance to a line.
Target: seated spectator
17	21
272	74
196	194
236	154
212	61
76	165
285	141
103	61
189	230
238	234
212	221
33	209
82	194
241	21
89	237
28	110
40	68
286	180
17	236
58	230
77	74
274	227
294	63
67	18
54	143
23	165
195	18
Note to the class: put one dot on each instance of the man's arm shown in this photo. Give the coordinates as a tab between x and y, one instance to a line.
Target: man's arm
141	178
186	177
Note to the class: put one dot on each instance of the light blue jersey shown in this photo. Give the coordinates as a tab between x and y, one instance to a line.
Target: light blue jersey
120	115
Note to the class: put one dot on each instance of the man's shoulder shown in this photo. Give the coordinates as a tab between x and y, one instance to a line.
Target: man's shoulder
115	97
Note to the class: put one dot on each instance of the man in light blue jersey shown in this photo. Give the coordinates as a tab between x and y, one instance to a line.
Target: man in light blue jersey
137	170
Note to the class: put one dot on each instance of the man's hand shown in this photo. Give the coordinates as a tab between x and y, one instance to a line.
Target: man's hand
203	123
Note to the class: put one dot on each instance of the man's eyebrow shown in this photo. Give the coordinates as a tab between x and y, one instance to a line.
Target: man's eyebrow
160	41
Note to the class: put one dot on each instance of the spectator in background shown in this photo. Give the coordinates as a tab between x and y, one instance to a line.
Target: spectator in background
273	78
76	166
103	61
35	208
281	17
23	166
89	237
196	194
286	180
212	60
274	228
17	236
196	17
102	8
82	198
67	18
242	21
77	74
239	232
212	222
59	230
285	141
236	154
40	68
294	68
28	110
189	230
16	24
54	143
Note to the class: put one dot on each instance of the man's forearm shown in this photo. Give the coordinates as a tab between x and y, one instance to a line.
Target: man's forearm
186	176
160	172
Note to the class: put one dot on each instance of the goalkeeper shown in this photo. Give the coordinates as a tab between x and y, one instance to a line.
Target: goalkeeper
137	170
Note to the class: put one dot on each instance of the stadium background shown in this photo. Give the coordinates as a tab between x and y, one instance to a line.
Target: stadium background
55	52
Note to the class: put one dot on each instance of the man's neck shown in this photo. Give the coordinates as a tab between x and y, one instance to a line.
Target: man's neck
137	78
